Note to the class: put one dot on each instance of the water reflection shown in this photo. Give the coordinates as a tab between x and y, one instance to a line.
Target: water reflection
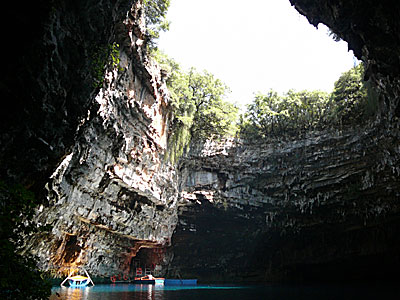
111	291
70	293
130	291
150	295
218	292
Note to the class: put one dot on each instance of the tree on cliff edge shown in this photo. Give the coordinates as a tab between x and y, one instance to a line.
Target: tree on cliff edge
350	97
200	108
353	102
155	12
293	114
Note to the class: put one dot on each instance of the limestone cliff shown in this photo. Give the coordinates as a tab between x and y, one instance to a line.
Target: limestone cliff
325	206
48	80
322	208
113	194
372	32
298	210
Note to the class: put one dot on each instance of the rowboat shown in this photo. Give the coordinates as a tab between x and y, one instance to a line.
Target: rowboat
78	280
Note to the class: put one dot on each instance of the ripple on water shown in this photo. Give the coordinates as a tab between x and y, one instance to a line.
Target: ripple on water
222	292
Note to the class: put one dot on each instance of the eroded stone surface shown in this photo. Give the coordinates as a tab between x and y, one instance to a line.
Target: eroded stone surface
248	213
324	206
114	193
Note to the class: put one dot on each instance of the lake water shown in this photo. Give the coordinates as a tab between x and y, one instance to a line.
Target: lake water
222	292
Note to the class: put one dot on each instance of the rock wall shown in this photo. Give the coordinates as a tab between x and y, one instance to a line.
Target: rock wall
371	30
322	208
113	194
47	83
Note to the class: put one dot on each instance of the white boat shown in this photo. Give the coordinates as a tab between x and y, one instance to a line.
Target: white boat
78	280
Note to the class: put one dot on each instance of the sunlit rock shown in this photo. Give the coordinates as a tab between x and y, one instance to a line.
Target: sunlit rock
322	206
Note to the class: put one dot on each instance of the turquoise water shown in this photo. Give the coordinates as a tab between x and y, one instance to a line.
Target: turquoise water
222	292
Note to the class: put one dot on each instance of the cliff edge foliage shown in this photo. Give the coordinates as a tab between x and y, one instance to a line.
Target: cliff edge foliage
353	102
201	111
79	50
200	108
155	12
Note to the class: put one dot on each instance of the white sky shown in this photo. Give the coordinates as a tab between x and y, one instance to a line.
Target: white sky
254	45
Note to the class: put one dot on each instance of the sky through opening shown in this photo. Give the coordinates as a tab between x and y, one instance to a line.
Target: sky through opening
254	46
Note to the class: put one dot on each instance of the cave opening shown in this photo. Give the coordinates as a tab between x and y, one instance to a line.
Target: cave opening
269	41
246	51
149	260
67	251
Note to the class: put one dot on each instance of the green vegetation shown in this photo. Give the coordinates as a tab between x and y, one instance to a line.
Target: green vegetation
350	97
101	59
16	211
114	55
200	110
291	114
155	12
352	102
104	56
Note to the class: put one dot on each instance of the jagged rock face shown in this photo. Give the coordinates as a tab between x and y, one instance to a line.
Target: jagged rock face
114	194
322	208
371	30
47	81
325	207
318	207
